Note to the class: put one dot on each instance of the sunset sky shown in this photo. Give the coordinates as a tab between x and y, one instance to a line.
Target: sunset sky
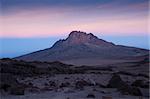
30	25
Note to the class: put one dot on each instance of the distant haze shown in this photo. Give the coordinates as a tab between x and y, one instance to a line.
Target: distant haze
12	47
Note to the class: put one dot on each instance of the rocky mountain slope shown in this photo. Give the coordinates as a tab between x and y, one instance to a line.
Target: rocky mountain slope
81	48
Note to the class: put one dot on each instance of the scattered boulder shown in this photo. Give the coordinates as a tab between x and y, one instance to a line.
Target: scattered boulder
130	90
30	84
67	98
116	82
17	90
90	96
135	91
5	87
124	88
137	83
140	83
66	84
101	85
46	89
33	89
81	83
106	97
46	84
52	84
66	78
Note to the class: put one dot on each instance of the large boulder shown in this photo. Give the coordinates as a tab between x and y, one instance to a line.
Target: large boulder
116	82
123	87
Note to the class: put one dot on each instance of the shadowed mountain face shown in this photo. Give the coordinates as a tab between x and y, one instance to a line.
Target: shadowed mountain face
81	48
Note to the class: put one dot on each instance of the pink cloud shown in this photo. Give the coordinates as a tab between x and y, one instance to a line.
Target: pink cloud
55	22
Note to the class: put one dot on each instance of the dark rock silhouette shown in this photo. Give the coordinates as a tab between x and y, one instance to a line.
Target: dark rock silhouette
116	82
123	87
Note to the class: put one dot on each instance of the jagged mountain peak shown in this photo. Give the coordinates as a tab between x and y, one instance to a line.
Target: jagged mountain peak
79	38
78	35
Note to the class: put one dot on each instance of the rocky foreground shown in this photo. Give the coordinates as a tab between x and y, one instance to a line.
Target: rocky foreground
55	80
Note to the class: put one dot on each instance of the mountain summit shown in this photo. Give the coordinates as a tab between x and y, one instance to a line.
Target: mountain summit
77	37
82	38
80	48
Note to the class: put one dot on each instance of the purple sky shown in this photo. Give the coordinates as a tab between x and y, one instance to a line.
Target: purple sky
23	20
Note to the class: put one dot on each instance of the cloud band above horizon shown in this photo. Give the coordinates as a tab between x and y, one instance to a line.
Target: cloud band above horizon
36	18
